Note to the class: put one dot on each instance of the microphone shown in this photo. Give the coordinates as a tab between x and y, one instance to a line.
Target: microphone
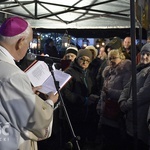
43	58
32	57
46	59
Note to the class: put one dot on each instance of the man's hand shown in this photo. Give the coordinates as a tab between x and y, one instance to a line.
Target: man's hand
53	97
35	89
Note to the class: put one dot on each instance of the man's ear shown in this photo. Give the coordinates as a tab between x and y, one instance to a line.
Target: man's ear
19	43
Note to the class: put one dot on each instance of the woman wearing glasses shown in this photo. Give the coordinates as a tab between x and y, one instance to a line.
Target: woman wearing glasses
78	96
116	75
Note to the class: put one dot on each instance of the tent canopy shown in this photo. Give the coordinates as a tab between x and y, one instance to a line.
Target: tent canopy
70	14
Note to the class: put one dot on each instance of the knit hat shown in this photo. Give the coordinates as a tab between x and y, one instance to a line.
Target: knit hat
115	43
72	49
92	48
13	26
84	52
146	47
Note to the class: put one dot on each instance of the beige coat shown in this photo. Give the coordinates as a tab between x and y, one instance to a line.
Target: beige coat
24	117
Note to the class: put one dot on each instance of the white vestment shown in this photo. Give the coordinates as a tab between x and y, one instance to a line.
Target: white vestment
24	117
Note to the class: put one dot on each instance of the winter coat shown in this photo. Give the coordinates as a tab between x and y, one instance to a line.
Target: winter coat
77	91
93	68
114	80
143	102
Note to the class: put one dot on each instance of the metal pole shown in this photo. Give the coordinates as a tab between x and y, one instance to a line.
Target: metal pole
133	58
140	29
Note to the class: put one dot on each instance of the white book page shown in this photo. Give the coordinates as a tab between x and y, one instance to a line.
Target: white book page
38	73
62	77
49	85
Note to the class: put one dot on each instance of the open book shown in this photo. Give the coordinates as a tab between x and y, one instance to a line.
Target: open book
40	75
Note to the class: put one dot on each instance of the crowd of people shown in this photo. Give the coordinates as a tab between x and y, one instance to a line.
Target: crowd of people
98	98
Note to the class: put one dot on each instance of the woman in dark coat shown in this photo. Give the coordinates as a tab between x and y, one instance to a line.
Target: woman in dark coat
78	97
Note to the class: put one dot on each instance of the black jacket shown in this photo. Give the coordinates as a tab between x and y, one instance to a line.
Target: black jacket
77	90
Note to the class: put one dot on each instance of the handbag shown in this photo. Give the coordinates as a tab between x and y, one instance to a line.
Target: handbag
111	109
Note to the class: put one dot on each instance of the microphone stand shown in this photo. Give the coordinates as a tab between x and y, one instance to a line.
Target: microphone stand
49	63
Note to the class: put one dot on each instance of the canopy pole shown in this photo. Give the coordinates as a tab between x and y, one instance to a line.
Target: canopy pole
133	58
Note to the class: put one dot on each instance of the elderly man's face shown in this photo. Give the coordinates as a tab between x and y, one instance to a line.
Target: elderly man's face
127	42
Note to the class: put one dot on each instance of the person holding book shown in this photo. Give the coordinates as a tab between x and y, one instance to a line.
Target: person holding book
25	118
79	99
